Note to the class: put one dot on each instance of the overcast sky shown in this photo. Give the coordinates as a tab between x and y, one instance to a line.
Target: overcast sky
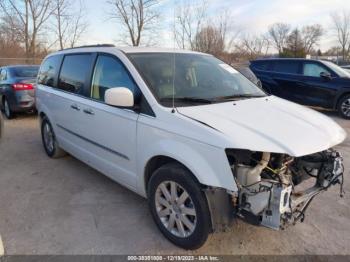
249	16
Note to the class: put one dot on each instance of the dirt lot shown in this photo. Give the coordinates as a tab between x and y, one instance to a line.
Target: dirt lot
65	207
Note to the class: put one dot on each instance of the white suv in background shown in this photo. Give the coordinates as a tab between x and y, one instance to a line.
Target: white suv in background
200	141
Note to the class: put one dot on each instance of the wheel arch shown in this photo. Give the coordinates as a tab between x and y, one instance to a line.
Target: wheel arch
158	161
340	97
42	115
221	210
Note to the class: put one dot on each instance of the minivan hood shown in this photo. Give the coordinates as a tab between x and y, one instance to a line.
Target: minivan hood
269	124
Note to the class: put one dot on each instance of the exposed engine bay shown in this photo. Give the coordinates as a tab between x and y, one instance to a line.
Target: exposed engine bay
271	186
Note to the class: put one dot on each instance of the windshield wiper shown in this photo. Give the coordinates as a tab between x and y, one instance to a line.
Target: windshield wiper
188	99
237	97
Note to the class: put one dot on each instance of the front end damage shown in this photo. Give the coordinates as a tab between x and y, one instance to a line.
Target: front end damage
274	190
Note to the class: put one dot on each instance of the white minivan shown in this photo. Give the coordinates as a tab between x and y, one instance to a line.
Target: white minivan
185	130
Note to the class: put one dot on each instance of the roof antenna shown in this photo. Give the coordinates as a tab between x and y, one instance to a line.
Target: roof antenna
174	59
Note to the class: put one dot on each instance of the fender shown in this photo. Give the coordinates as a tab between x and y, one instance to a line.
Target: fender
192	155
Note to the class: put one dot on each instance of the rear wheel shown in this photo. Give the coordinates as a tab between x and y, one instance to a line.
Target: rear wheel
7	110
178	206
49	140
344	107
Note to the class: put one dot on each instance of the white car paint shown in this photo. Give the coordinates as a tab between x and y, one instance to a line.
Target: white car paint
119	96
270	124
195	136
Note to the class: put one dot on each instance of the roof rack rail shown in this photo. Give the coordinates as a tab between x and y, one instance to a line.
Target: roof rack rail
87	46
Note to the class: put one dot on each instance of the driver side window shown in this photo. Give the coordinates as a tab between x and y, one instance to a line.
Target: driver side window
314	70
109	72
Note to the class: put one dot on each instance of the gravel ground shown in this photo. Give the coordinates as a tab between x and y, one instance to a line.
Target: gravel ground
65	207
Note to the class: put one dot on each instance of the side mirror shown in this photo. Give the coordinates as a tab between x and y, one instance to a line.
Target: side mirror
120	97
326	75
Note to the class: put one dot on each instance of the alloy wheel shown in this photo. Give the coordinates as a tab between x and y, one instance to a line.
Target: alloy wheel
345	107
175	209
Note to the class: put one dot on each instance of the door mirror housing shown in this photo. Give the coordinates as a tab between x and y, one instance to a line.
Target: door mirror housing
325	75
119	97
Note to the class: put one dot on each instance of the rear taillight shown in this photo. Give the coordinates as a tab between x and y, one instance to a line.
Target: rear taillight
22	86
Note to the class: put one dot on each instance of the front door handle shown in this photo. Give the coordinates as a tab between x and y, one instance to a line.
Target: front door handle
75	107
88	111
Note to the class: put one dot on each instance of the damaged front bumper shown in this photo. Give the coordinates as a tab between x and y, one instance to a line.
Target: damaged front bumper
276	198
276	191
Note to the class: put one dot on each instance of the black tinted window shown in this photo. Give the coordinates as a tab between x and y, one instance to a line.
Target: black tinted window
75	69
261	65
48	71
30	71
289	67
109	73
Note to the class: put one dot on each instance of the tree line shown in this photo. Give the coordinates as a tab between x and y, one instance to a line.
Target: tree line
32	28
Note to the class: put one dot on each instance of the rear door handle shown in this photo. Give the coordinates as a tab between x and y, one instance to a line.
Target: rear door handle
88	111
75	107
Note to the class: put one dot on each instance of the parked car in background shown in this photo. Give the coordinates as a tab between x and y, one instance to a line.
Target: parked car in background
307	82
346	67
245	70
17	89
187	131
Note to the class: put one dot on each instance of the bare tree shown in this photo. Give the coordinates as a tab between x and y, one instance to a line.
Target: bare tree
294	45
210	40
215	38
69	24
78	26
311	36
136	16
279	33
10	41
254	46
190	18
341	26
30	16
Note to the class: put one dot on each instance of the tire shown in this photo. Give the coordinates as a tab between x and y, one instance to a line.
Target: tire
344	107
194	210
7	110
49	141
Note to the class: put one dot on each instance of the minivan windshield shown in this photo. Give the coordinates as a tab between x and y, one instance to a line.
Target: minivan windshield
337	69
199	79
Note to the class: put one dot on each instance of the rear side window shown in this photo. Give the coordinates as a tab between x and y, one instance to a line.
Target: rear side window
74	72
110	73
288	67
30	71
261	65
3	75
49	70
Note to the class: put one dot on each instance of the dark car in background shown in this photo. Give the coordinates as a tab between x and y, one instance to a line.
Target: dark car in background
17	89
245	70
305	81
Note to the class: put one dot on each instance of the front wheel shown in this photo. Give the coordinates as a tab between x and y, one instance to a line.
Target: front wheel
49	140
179	207
344	107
